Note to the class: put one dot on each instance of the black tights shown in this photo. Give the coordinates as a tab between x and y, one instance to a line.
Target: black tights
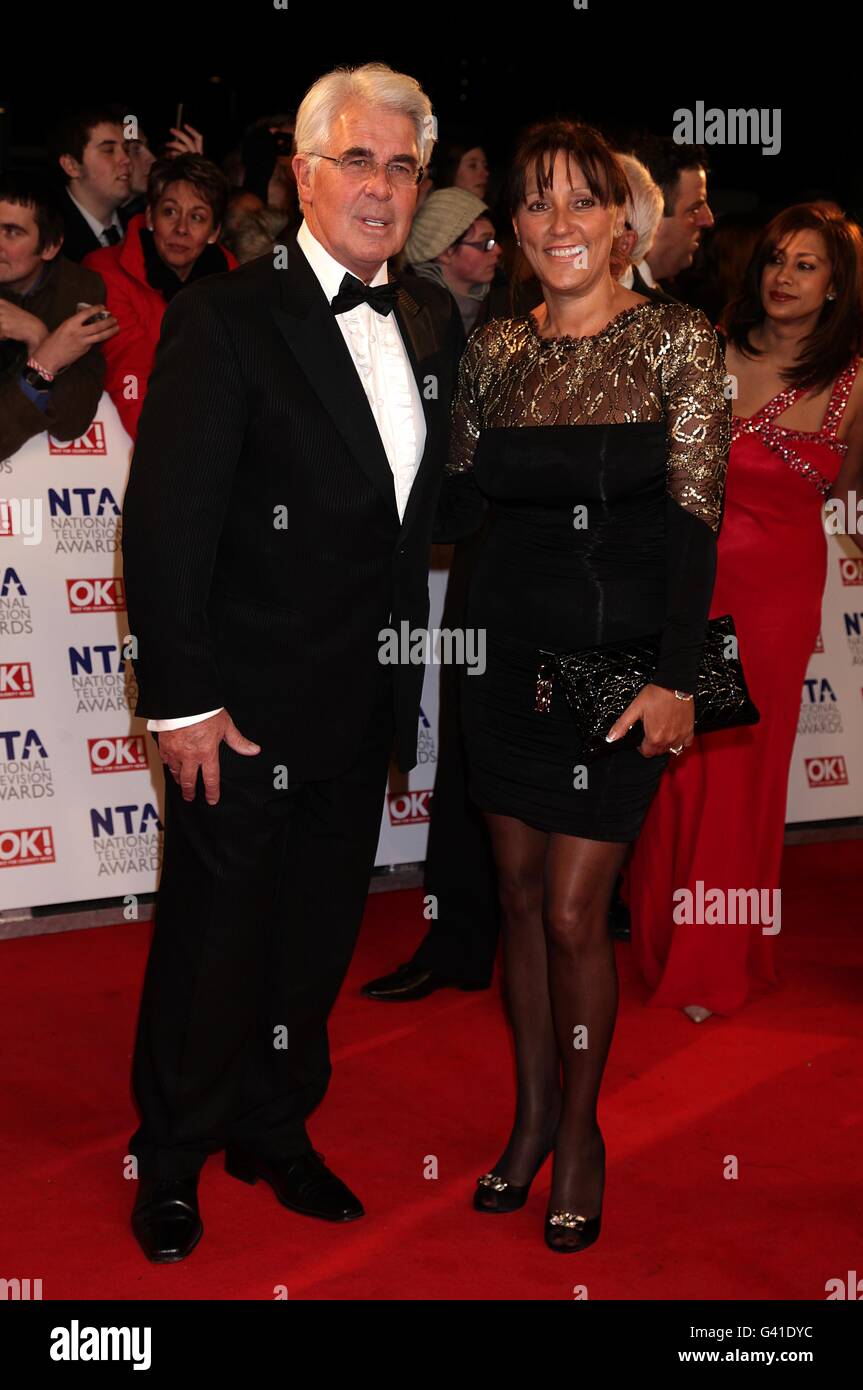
561	989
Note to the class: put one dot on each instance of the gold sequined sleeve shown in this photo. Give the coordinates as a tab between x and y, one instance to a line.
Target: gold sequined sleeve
698	416
698	432
461	506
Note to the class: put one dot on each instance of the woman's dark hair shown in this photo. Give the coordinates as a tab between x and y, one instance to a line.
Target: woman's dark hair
32	191
582	145
838	334
728	247
448	157
205	177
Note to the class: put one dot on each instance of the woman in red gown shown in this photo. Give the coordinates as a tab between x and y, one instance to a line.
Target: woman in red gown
797	438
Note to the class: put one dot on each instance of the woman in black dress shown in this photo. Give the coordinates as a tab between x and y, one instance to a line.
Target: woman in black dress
597	431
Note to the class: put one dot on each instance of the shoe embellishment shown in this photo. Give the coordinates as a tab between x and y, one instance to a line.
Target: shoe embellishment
568	1219
494	1181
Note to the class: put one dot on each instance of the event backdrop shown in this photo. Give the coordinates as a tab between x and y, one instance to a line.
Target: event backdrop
80	777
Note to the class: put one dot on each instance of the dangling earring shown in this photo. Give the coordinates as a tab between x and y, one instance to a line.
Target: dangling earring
830	296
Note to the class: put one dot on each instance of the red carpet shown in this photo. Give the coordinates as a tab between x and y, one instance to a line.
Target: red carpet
778	1086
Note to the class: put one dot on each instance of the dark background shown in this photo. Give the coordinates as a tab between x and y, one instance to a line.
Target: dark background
624	67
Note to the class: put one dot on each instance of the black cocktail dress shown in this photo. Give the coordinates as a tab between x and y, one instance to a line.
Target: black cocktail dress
602	460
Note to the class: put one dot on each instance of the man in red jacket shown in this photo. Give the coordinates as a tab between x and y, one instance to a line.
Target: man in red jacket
170	245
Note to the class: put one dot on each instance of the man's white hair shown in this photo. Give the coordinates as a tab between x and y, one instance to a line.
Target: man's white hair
374	83
644	205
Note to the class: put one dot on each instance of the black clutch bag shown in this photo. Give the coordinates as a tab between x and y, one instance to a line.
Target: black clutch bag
600	682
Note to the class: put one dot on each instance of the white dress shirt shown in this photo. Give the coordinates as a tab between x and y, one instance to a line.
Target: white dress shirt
384	368
644	271
96	227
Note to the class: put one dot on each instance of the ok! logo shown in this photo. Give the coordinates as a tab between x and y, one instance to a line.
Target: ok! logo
16	680
117	753
829	771
91	442
105	595
30	844
851	569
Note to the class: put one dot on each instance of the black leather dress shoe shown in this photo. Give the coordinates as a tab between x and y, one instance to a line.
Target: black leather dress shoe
303	1182
412	981
165	1218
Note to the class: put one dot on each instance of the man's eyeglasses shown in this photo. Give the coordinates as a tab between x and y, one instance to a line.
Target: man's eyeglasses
358	168
488	245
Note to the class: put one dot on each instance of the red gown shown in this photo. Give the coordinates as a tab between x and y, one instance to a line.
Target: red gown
719	813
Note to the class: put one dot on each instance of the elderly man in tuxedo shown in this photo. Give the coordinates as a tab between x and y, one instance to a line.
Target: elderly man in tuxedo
277	520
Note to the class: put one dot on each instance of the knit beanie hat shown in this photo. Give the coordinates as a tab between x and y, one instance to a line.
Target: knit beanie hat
444	216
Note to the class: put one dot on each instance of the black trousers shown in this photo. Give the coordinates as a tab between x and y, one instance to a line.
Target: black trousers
260	902
462	940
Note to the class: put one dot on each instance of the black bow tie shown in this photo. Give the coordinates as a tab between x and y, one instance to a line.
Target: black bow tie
353	292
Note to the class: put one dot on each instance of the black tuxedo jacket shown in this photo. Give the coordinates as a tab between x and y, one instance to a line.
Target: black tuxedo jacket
640	286
262	547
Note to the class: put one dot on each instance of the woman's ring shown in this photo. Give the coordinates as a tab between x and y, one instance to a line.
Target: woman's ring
678	749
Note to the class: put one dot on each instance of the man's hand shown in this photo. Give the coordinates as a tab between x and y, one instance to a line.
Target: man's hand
184	751
668	722
187	140
74	337
17	324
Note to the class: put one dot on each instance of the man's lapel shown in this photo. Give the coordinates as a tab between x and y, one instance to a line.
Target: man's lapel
308	325
418	336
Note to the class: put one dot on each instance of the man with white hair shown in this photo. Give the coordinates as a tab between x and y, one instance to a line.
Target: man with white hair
643	214
277	520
